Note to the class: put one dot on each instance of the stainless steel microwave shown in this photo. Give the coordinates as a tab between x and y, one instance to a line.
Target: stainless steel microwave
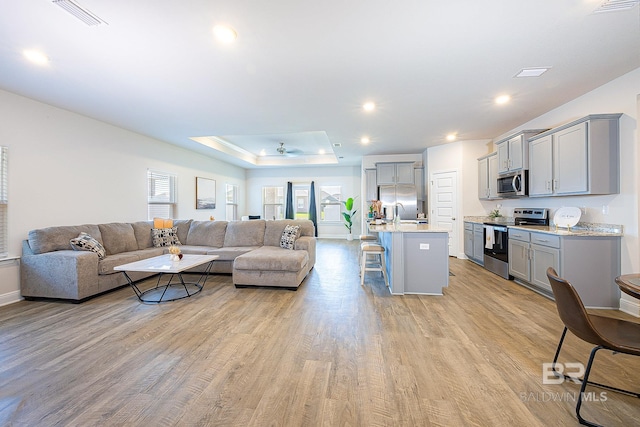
514	184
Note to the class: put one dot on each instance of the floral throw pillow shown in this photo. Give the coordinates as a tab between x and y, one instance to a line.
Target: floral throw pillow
165	237
289	236
84	242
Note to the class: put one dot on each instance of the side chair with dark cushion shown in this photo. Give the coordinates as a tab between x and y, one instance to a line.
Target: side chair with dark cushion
603	332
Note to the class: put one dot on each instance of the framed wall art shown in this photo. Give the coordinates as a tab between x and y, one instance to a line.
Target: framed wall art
205	193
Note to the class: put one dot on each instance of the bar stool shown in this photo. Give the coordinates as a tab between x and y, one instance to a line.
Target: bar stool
366	238
377	264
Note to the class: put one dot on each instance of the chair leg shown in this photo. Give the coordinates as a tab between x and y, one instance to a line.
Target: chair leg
383	266
585	381
555	359
363	265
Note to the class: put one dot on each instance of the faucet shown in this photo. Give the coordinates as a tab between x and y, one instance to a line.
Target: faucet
396	208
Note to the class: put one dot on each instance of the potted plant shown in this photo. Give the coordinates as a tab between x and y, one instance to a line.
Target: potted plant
348	215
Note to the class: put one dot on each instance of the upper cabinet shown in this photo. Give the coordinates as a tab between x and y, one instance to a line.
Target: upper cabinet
581	157
488	177
371	185
395	173
513	152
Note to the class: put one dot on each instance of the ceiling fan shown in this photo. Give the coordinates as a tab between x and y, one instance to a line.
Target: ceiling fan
288	152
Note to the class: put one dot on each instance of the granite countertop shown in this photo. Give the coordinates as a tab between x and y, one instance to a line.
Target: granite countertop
586	229
405	228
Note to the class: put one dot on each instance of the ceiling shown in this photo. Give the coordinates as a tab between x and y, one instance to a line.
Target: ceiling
300	71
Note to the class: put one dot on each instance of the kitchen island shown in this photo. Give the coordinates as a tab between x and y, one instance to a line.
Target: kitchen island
417	257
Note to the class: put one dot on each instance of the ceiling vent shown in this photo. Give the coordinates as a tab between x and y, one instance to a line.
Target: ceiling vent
82	14
616	5
337	144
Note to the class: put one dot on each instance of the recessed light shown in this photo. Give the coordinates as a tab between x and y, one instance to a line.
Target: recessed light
369	106
451	137
321	151
263	152
365	140
532	72
36	57
502	99
225	34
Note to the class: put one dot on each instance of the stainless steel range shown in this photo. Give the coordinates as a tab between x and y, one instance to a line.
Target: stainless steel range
496	237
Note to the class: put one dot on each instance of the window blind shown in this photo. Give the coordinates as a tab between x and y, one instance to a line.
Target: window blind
161	190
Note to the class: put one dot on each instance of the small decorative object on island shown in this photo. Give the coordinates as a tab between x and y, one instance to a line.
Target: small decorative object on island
349	215
174	253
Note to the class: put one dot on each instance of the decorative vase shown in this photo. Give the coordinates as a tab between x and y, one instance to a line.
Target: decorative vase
349	237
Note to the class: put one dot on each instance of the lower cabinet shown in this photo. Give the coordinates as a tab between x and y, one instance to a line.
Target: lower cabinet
474	242
590	263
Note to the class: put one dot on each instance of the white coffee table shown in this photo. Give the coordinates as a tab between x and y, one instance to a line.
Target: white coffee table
162	264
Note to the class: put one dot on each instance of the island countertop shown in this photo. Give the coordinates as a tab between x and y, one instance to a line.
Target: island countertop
405	228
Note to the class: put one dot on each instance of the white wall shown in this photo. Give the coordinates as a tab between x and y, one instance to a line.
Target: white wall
348	177
67	169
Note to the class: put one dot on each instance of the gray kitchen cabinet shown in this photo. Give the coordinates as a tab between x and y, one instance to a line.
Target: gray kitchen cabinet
581	157
488	177
468	239
519	262
395	173
371	186
419	181
513	151
590	263
478	243
530	254
474	242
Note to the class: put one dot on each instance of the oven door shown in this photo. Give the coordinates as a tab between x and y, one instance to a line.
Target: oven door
498	247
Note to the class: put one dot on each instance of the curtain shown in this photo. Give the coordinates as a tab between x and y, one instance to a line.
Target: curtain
288	210
313	215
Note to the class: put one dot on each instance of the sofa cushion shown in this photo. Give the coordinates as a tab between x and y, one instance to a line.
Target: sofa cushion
270	258
57	238
229	253
273	230
183	228
84	242
165	237
206	233
245	233
289	236
142	231
106	265
118	237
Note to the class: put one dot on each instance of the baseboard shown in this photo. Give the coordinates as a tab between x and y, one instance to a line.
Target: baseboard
10	298
630	307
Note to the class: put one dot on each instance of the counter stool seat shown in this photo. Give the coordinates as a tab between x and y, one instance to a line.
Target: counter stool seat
377	264
367	237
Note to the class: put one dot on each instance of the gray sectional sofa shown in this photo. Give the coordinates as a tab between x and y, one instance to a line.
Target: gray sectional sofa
249	250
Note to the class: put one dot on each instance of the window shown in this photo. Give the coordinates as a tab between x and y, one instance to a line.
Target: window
301	201
161	194
4	251
232	202
273	202
330	203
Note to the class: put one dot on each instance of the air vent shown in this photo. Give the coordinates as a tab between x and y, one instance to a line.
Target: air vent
82	14
616	5
337	144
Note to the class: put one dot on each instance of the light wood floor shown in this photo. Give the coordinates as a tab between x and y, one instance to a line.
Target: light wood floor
333	353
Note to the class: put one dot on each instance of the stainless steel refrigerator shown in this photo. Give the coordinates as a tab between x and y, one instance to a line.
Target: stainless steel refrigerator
401	195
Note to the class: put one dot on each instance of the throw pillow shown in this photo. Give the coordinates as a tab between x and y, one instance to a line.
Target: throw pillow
289	236
84	242
165	237
162	223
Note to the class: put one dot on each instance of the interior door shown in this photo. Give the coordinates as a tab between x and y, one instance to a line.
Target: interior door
444	206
